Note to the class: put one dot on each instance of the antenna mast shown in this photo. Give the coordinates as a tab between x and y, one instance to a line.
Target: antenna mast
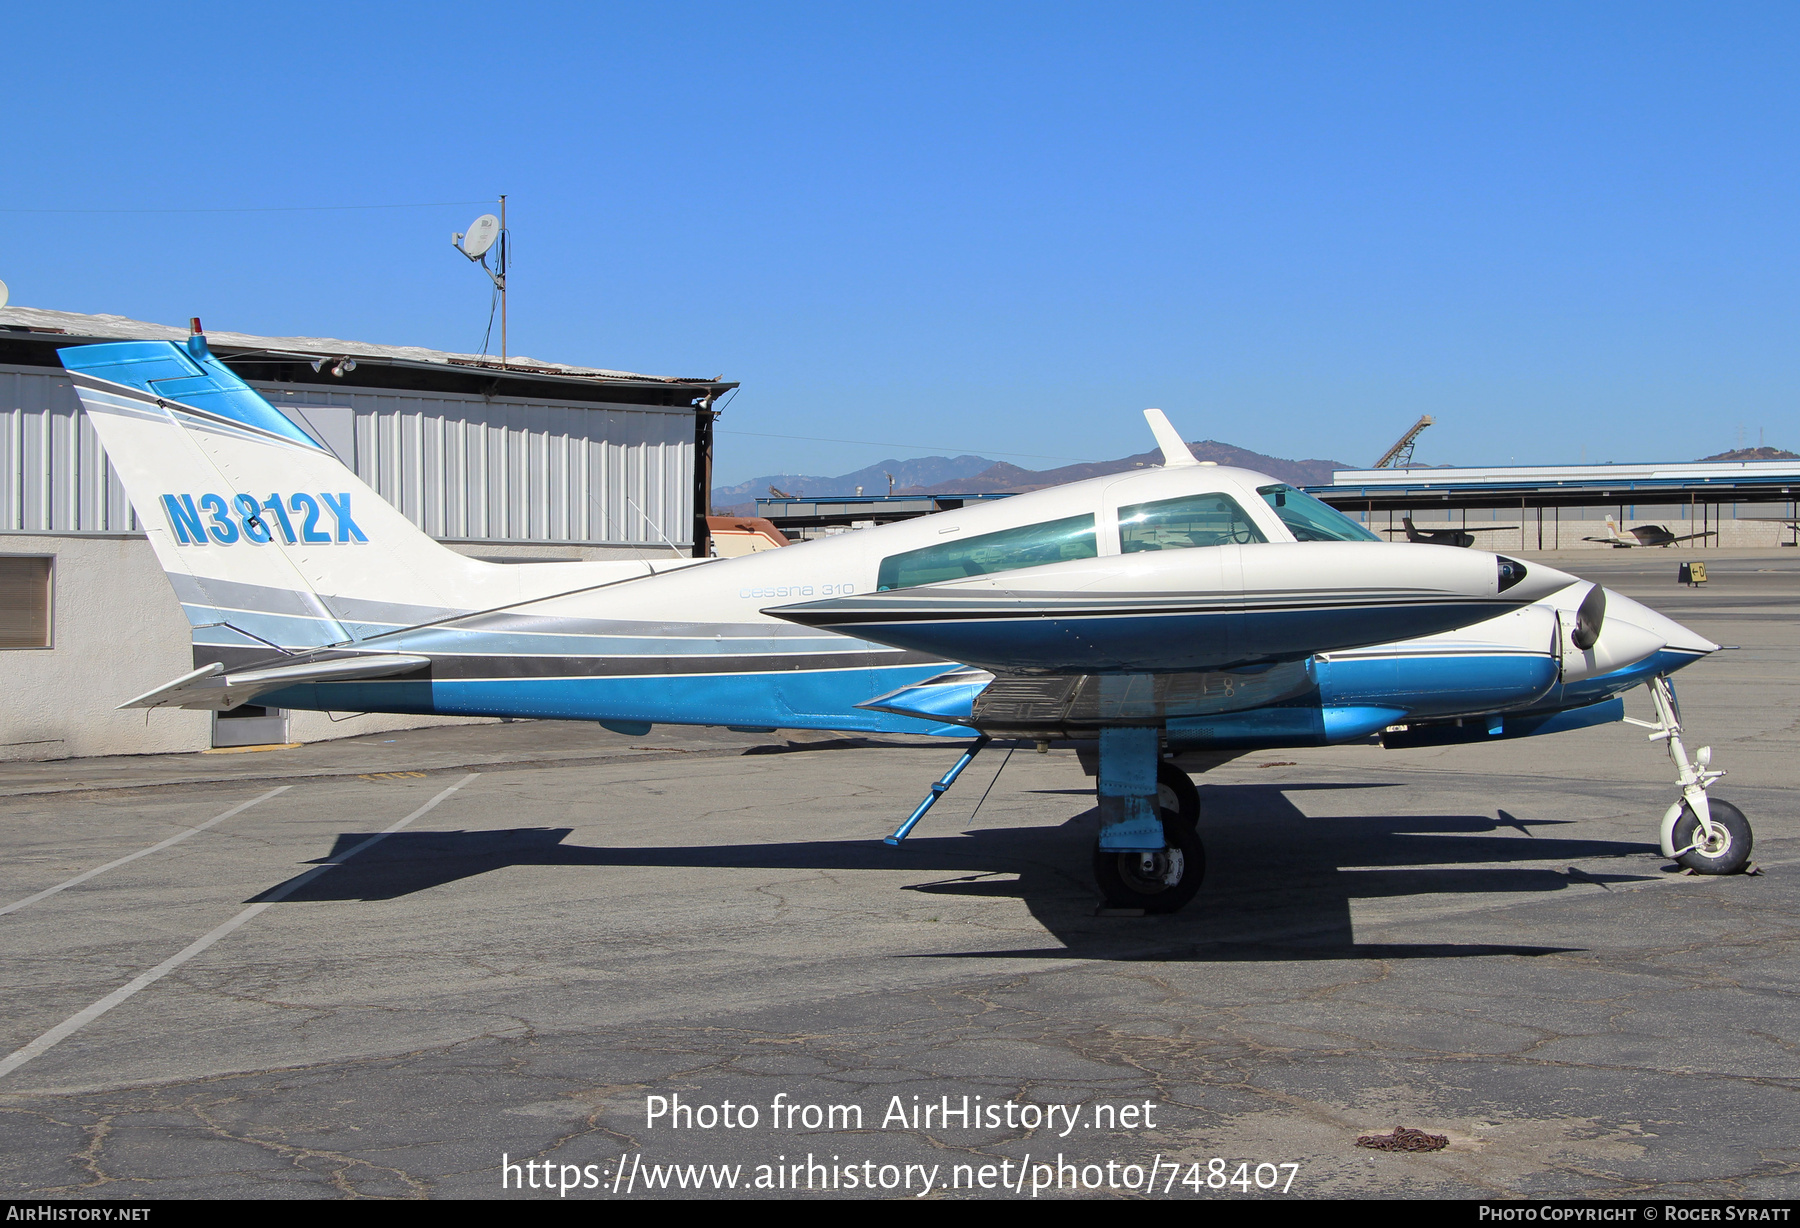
500	281
1400	455
488	231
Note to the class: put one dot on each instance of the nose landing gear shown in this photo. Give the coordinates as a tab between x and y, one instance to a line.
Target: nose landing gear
1706	835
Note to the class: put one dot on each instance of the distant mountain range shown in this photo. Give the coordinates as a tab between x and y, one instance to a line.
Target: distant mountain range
972	475
909	475
967	475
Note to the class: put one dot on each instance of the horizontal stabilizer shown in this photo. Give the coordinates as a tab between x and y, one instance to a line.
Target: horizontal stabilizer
210	688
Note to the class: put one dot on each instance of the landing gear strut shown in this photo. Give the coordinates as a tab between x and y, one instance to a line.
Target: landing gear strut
1158	880
1706	835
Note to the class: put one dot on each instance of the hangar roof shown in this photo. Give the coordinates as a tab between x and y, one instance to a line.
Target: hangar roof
30	335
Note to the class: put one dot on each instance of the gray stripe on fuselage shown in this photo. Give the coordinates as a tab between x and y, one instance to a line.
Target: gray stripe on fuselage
260	598
482	668
231	594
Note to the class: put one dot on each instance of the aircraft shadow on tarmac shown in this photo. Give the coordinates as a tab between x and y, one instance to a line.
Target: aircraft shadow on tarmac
1279	884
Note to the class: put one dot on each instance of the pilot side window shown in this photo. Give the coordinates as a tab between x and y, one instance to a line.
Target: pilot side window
1177	524
1030	545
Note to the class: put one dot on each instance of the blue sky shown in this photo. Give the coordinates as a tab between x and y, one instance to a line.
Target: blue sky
1564	230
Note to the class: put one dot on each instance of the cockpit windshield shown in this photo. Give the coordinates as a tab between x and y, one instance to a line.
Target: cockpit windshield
1310	520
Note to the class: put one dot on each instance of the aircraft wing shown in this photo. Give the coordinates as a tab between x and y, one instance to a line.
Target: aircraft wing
1175	611
1458	528
211	688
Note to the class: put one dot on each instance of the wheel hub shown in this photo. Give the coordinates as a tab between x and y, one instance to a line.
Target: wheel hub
1153	872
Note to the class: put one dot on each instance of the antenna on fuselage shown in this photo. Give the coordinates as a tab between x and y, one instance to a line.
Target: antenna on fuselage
1174	451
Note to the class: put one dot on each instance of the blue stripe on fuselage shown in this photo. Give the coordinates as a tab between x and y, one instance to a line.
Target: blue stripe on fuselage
808	699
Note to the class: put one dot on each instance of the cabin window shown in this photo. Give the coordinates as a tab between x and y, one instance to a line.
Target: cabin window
1030	545
1310	520
1178	524
24	602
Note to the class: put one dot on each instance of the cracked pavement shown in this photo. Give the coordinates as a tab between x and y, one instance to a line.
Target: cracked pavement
1481	942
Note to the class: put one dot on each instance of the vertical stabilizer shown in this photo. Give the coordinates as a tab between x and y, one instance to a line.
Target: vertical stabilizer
266	536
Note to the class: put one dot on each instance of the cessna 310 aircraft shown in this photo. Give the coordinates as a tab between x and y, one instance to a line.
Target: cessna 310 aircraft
1189	607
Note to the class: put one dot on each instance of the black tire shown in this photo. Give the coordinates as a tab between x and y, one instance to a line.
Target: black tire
1174	877
1176	794
1732	851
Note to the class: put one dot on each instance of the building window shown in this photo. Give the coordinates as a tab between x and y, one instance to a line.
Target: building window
24	602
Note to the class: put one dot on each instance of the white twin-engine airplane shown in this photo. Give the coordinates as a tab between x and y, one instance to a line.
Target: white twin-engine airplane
1183	608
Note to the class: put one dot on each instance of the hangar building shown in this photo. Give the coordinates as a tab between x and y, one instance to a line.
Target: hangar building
530	462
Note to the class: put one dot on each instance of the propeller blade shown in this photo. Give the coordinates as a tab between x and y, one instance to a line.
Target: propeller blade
1589	617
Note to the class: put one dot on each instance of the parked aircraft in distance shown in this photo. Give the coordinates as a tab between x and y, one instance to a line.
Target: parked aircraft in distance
1644	535
1792	522
733	536
1190	607
1464	536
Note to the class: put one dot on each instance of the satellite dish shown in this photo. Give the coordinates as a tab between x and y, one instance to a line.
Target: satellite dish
2	294
481	235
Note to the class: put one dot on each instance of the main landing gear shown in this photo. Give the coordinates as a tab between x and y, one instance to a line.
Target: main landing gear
1705	835
1148	858
1158	880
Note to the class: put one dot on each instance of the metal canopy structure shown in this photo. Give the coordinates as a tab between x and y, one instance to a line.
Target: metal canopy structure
803	517
1702	490
1706	482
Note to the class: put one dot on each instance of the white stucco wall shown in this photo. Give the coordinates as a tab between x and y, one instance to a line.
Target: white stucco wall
116	631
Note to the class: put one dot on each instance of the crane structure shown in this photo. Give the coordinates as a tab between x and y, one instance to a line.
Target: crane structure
1400	455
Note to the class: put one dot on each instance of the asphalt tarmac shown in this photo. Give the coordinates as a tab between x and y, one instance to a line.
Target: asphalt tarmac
567	937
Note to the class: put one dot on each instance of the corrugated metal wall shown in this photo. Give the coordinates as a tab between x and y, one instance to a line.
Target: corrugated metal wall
460	467
53	472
